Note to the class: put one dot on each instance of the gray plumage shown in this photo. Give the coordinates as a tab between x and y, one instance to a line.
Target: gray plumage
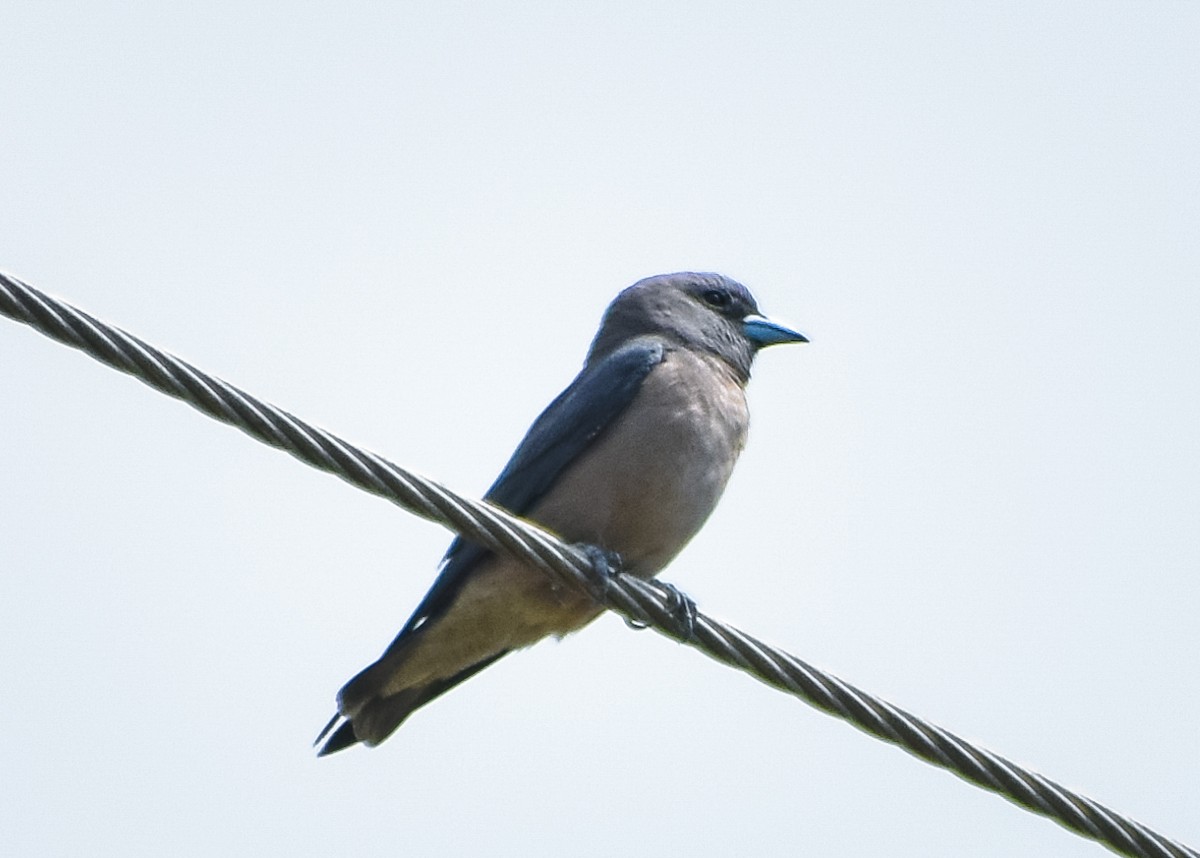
632	458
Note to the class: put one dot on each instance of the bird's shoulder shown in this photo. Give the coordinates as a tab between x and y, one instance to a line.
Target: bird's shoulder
589	405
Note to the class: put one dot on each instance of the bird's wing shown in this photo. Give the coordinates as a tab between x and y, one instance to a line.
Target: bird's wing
561	433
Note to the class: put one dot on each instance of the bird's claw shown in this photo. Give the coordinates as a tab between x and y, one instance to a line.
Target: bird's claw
681	608
605	564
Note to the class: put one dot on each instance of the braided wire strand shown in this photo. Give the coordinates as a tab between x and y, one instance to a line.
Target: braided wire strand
642	603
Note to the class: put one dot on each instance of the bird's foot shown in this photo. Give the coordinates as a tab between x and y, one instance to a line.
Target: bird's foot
605	564
681	608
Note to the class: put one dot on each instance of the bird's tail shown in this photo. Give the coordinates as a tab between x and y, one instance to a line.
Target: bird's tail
369	717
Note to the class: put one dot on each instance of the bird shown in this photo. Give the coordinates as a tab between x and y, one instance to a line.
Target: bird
629	460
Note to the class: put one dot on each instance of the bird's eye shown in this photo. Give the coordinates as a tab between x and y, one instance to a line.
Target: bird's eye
717	298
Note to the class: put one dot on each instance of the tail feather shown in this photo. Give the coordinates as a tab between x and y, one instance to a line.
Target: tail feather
372	718
343	738
325	730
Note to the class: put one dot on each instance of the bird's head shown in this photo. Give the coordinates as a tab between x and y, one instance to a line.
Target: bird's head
709	312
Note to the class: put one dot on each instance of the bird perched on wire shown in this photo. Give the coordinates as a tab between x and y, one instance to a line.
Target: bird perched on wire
631	458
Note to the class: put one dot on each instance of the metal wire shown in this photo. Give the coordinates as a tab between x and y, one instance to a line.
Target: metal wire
642	603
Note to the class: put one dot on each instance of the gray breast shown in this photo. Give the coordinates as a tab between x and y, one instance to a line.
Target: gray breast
653	478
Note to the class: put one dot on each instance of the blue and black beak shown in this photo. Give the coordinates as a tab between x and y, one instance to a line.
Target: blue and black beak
763	332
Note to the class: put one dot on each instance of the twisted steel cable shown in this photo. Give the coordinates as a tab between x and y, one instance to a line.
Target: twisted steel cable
642	603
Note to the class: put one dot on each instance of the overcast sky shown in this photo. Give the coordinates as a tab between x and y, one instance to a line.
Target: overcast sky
975	493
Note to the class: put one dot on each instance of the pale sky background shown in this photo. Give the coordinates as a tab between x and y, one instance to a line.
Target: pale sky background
976	493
